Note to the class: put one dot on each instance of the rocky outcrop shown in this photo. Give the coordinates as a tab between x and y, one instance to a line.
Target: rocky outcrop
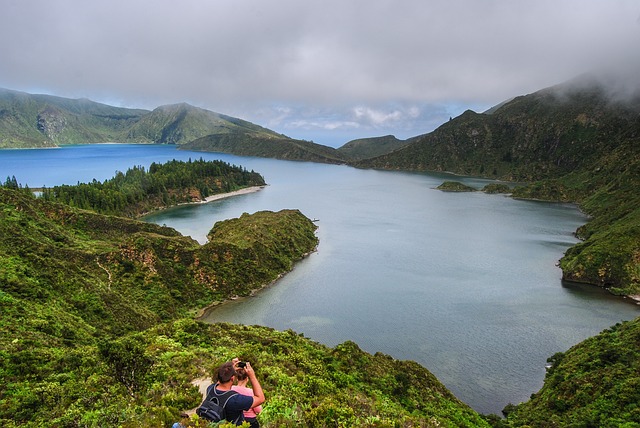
51	122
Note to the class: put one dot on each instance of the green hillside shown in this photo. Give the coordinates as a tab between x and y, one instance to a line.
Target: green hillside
31	121
181	123
97	329
28	121
125	274
46	121
594	384
364	148
260	145
571	143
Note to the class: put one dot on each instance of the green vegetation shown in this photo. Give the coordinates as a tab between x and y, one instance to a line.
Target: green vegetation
269	146
138	191
572	144
96	312
97	329
494	188
365	148
594	384
120	274
455	186
144	379
182	123
46	121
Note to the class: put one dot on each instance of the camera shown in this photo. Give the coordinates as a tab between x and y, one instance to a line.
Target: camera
242	364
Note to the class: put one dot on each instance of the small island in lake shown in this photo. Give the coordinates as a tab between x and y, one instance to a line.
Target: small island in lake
455	186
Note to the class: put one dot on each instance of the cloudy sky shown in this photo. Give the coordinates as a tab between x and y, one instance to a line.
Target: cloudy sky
323	70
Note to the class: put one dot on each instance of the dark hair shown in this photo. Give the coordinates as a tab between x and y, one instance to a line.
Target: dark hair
241	374
226	372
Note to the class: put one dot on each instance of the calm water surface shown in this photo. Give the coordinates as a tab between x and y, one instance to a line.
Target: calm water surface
464	283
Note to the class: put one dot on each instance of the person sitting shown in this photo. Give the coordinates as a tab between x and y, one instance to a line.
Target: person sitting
238	403
242	379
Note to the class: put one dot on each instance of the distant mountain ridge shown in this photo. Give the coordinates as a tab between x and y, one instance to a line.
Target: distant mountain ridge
33	121
182	123
264	145
542	135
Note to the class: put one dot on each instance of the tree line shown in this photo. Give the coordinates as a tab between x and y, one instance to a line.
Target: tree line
139	190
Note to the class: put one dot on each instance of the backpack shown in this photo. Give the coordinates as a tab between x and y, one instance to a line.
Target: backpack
212	408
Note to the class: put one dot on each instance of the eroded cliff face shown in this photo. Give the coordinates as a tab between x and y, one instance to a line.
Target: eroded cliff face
51	122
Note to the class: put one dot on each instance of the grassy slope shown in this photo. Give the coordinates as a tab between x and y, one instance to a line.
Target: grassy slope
124	274
46	121
251	144
594	384
28	120
182	123
364	148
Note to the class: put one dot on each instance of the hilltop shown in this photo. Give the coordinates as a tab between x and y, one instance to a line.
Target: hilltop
365	148
250	144
182	123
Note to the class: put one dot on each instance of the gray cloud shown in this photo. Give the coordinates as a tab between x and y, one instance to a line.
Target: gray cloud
375	66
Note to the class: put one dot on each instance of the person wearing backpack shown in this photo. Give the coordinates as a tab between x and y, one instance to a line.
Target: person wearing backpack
234	404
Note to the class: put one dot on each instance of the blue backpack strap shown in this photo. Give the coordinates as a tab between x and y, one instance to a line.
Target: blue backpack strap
222	398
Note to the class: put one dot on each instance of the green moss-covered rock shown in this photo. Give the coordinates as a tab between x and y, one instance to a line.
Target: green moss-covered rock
495	188
455	186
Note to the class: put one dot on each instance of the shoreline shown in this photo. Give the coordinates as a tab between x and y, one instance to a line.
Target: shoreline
218	196
211	198
200	313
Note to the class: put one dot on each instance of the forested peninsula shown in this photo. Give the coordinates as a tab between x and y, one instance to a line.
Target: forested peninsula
138	191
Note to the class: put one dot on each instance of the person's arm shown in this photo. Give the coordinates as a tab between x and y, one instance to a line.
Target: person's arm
258	395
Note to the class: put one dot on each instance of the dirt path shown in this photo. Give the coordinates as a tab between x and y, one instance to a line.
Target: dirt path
202	383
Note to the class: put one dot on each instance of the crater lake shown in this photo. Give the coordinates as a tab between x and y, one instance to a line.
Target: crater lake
466	284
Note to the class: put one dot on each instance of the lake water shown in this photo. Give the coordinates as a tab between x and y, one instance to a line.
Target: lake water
466	284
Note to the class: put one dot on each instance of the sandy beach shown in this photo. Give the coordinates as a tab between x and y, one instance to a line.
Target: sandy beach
230	194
